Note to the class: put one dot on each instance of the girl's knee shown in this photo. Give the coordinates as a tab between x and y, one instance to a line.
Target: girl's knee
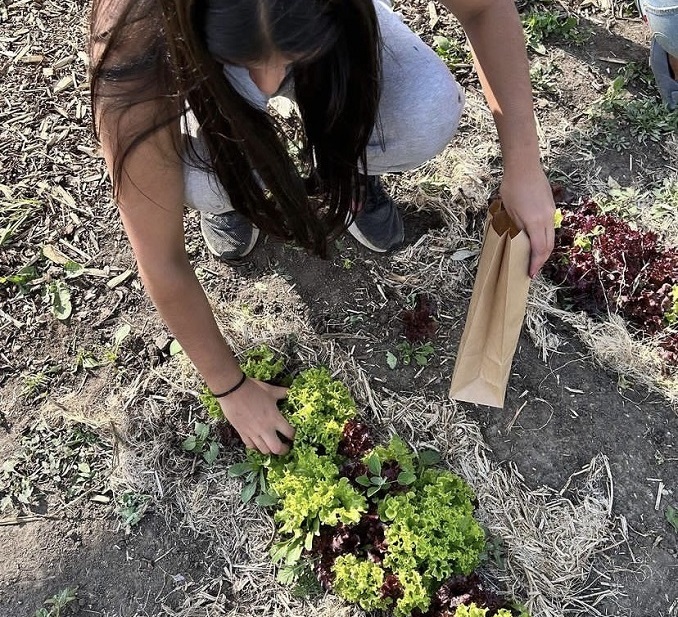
420	130
446	113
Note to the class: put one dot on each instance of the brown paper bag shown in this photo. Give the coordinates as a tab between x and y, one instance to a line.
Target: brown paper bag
495	315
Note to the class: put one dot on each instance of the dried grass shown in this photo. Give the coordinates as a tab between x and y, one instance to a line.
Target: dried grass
610	343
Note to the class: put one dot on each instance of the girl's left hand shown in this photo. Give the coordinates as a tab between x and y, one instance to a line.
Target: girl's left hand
528	199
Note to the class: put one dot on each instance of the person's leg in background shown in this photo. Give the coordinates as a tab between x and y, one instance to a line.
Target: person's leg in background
662	18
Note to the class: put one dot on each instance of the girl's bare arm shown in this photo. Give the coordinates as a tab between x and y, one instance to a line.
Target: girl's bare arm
496	35
149	193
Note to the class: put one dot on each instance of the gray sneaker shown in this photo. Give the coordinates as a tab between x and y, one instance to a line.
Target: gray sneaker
228	236
379	224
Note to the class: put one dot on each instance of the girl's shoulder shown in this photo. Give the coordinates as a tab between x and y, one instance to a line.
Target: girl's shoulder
125	37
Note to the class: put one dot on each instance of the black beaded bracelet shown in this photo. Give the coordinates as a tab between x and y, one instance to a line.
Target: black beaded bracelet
231	390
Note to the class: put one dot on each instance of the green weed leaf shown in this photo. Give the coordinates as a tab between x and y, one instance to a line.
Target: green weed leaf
202	431
266	500
239	469
672	517
421	359
373	490
21	278
441	42
391	360
429	457
189	443
295	554
210	455
248	492
60	300
278	551
406	478
374	465
287	575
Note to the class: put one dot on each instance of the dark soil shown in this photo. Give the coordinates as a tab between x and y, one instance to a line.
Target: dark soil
114	573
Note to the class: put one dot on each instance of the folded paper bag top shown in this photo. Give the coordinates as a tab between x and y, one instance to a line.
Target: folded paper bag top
501	221
495	314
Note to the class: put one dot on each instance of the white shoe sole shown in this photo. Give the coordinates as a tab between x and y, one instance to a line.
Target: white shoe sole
358	235
247	251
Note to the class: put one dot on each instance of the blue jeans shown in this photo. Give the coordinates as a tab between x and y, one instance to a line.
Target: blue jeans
662	17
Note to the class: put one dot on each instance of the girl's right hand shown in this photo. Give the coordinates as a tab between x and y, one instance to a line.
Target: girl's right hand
253	411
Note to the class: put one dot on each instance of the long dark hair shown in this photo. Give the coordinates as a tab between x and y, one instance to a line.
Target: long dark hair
165	52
